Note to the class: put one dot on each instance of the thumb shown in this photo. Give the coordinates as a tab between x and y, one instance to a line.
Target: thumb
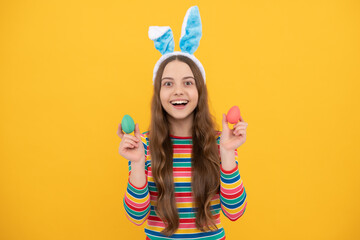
224	121
137	131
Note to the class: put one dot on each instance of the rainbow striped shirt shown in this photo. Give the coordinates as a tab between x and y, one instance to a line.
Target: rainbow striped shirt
139	202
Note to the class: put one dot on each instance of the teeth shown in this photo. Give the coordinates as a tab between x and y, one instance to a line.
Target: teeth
179	102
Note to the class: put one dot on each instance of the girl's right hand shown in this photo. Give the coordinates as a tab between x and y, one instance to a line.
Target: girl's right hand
131	147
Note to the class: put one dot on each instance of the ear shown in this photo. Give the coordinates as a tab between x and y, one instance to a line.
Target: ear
191	31
163	38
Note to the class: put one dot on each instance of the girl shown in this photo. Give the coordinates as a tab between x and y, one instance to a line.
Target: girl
182	171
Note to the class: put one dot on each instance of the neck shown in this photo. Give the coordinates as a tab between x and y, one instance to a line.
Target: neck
181	127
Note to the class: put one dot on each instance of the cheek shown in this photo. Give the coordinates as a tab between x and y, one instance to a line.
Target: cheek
163	97
161	94
195	95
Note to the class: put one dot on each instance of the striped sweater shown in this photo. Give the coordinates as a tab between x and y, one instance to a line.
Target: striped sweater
139	202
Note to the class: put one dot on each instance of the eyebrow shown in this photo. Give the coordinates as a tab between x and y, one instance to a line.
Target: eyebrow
170	78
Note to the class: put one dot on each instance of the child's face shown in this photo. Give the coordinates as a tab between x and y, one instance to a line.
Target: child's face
177	82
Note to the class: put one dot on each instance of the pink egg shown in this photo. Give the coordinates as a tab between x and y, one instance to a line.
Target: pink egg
233	115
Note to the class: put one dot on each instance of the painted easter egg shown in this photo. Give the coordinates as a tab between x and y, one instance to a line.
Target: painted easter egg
127	124
233	115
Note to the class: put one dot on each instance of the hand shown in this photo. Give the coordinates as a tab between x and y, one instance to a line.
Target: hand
131	147
231	139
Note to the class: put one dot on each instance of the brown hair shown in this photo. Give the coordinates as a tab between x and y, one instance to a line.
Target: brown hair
205	156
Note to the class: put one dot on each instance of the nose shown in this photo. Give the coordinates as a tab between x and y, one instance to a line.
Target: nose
178	90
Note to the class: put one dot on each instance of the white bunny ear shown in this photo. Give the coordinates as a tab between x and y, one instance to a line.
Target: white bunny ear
191	31
163	38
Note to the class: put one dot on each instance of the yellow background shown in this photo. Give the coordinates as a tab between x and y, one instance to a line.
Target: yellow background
70	70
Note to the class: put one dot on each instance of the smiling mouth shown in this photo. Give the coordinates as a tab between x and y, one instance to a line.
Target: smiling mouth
181	105
179	102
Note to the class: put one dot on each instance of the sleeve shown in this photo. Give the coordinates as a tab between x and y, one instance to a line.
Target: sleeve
232	192
137	200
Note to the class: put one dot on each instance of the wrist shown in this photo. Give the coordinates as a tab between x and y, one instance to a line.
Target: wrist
228	159
141	162
227	152
138	176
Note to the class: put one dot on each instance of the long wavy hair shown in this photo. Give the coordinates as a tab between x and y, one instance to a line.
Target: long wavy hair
205	156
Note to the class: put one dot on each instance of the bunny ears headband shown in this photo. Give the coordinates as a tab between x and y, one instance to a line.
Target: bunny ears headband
191	33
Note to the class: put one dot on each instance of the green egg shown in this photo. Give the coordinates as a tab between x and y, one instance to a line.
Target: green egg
127	124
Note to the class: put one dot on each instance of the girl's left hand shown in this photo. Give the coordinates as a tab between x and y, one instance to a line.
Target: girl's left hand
231	139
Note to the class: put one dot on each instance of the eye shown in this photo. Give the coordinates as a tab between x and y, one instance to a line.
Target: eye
166	83
189	82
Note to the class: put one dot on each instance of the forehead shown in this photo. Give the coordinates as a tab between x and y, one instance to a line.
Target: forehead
177	68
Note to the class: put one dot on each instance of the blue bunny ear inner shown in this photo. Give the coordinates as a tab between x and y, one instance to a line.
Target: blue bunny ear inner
163	38
191	31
